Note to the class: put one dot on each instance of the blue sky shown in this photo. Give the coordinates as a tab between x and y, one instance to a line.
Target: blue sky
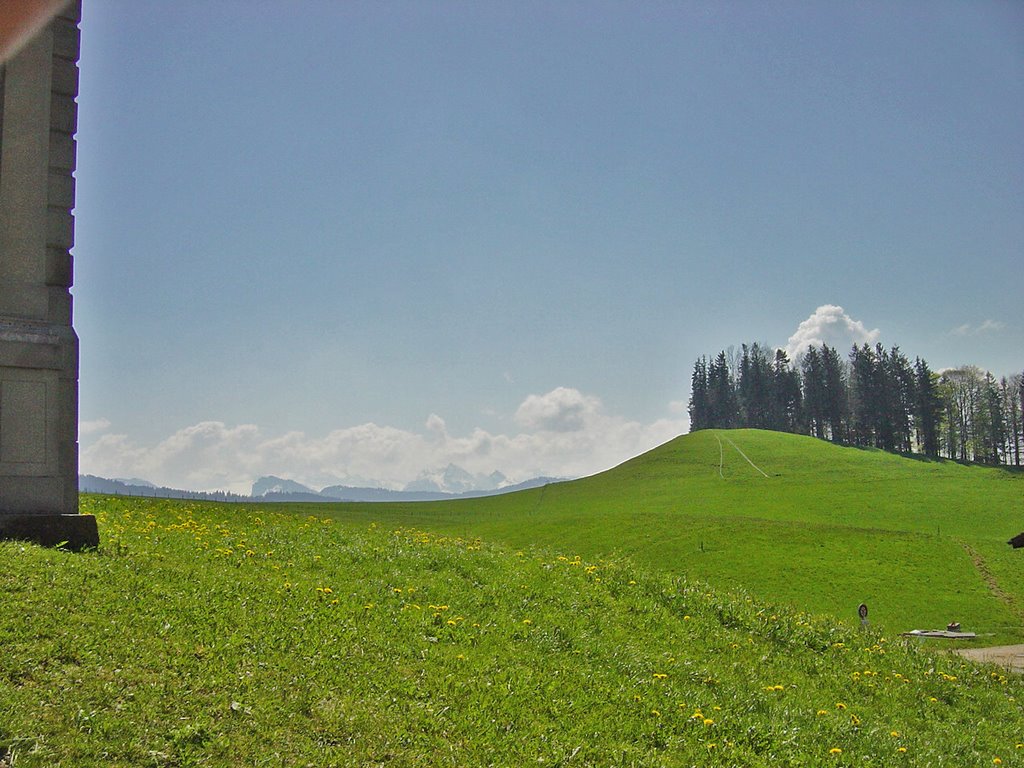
352	241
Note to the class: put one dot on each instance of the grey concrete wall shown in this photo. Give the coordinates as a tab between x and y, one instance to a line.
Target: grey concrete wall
38	347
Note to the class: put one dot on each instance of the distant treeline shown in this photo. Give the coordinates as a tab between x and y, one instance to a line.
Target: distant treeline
94	484
874	398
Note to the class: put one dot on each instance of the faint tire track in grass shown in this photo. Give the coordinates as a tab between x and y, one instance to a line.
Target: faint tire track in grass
741	453
990	580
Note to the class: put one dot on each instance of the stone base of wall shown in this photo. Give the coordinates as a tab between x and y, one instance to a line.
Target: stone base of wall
74	532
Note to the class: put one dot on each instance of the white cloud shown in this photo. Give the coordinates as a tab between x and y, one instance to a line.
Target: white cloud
565	433
829	325
436	425
94	426
988	326
560	410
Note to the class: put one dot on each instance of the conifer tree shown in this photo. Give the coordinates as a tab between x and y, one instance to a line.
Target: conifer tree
723	409
901	398
837	396
698	407
1010	391
993	439
786	397
927	408
754	388
812	372
864	395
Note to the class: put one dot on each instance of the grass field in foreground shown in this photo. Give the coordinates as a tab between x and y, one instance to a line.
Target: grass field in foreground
923	543
218	635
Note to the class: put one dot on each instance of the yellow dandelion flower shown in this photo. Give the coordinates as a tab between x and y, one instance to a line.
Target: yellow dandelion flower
708	721
527	621
901	750
656	713
894	734
996	761
840	705
660	675
822	712
835	751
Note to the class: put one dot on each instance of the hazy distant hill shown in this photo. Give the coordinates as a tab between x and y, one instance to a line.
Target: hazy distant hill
347	493
93	484
454	480
451	482
276	485
276	489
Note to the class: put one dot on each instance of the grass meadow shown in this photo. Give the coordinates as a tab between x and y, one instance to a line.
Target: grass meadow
922	543
576	625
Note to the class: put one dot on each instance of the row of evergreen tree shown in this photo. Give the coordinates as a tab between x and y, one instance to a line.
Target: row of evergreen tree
874	398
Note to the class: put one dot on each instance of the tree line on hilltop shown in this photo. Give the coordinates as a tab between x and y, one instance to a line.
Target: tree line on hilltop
874	398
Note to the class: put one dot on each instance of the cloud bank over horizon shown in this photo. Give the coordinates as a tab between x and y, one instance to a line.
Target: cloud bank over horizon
560	433
563	433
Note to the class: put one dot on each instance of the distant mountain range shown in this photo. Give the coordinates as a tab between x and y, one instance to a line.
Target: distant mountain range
448	483
136	487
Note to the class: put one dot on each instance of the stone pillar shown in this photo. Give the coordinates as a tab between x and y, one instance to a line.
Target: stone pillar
38	346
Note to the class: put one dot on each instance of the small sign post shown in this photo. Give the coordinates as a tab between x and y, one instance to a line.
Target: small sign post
862	611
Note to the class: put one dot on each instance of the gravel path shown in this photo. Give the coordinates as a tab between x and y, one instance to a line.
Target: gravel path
1006	656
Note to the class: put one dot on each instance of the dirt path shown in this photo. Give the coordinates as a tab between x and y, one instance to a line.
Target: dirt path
1006	656
990	580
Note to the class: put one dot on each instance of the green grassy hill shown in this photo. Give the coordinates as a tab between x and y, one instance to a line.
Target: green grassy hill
791	519
672	611
206	634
